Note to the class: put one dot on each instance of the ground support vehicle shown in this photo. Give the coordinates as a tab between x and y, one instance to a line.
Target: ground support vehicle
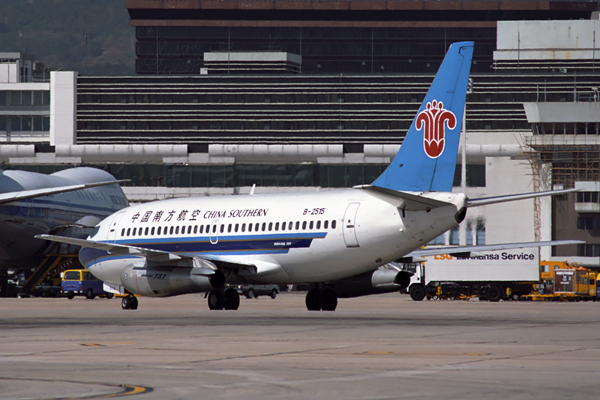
253	291
81	282
564	281
493	275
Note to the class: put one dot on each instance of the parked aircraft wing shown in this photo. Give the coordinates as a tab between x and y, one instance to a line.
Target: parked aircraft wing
28	194
256	268
512	197
405	200
466	251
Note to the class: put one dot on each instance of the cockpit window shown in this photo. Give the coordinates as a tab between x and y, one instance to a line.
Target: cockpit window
95	231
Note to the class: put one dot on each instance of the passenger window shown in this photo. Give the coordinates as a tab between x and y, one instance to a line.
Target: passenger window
171	230
291	225
297	225
243	227
229	228
123	232
147	231
249	227
276	226
177	230
326	224
134	230
140	231
318	224
264	226
303	225
237	226
256	227
215	228
223	228
201	229
158	231
270	226
311	225
333	224
128	231
152	231
195	229
283	226
189	229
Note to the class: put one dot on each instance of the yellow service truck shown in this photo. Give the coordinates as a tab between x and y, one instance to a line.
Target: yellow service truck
564	281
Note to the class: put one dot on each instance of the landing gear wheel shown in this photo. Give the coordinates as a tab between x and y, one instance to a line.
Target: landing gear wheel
494	293
329	300
417	292
232	299
250	294
216	300
90	294
273	293
126	303
129	303
134	303
314	301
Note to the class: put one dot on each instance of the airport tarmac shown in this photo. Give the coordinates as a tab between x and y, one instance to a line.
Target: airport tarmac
376	347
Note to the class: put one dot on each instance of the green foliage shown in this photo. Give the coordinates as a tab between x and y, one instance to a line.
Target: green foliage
89	36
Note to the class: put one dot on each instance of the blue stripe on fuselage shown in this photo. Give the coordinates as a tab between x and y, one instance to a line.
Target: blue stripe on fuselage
227	245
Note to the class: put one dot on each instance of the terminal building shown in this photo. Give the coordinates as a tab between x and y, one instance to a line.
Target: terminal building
317	95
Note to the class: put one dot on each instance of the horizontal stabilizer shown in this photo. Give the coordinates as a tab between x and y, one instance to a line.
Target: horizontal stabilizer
11	197
513	197
407	201
464	251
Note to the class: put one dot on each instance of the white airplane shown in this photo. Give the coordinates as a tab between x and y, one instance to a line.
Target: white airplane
66	202
327	239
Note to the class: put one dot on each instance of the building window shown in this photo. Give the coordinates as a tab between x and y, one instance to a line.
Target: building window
454	236
480	232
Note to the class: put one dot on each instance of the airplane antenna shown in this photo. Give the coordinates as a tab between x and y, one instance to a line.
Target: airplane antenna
252	190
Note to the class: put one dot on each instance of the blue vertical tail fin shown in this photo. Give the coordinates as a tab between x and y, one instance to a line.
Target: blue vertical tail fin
426	160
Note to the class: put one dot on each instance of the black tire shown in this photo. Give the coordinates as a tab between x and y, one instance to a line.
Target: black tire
70	295
126	303
273	293
110	295
417	292
216	300
494	293
90	294
232	299
314	301
134	303
329	300
251	294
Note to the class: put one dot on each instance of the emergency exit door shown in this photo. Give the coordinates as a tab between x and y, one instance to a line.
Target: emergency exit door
349	225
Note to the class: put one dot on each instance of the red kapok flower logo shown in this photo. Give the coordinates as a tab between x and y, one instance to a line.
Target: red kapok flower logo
433	120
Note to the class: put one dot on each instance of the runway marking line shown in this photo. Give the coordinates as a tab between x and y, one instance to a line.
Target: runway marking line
129	390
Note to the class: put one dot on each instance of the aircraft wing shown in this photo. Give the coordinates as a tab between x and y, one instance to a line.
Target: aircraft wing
466	251
407	201
512	197
28	194
255	268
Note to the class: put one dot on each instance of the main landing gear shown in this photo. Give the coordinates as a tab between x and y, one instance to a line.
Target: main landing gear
321	300
129	303
228	299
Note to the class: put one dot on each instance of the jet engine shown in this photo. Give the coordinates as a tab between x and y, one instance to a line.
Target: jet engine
170	281
381	280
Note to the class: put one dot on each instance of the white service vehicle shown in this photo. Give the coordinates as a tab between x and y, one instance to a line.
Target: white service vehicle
491	275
